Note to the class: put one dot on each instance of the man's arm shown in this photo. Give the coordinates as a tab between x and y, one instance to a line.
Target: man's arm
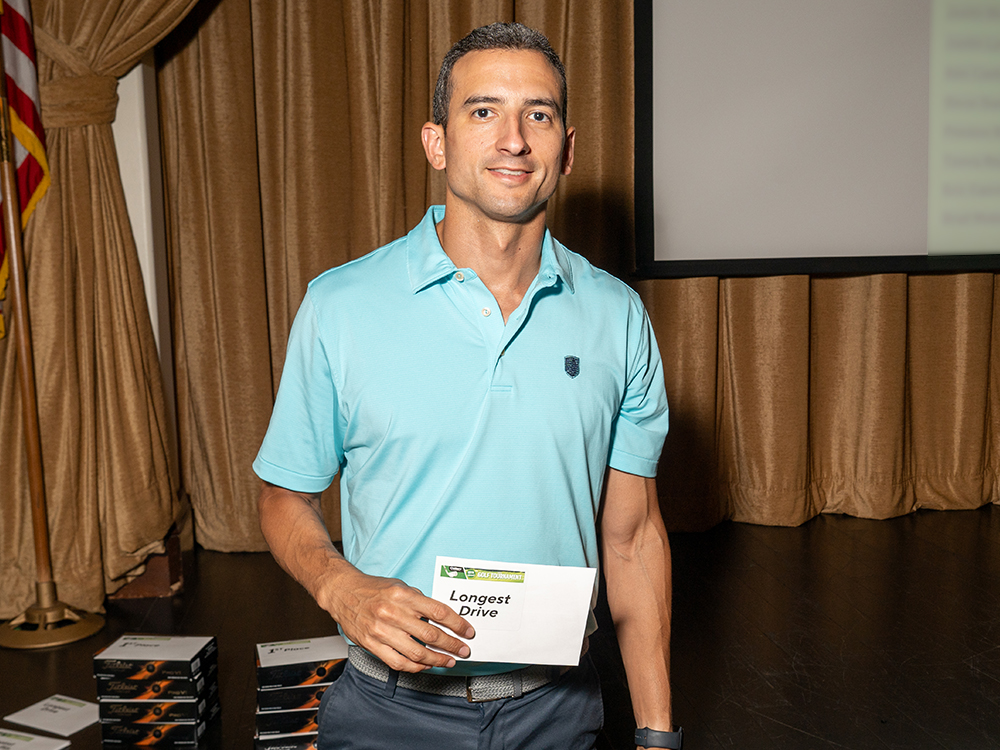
636	557
383	615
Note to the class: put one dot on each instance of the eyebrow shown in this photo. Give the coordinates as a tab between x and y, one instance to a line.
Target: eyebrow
482	99
551	103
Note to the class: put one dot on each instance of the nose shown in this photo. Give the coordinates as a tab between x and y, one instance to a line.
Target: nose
511	138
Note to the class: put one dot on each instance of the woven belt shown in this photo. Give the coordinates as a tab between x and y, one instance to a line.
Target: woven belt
475	689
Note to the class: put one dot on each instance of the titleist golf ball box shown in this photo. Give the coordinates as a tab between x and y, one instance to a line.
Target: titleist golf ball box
181	687
156	657
290	699
292	677
152	735
181	711
286	742
300	721
309	661
157	690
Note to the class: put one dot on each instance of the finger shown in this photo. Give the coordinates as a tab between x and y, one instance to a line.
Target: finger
442	614
390	645
437	639
404	654
409	633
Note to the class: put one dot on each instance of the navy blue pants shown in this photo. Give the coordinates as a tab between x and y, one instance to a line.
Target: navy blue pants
359	713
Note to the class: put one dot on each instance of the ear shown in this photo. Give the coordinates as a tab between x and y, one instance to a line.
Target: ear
432	136
568	148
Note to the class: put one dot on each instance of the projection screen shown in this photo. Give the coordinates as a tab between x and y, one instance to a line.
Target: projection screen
817	136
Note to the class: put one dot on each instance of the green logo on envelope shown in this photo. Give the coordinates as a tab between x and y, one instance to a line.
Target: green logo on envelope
453	571
482	574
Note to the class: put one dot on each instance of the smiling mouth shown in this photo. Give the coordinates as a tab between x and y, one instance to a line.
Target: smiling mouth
510	172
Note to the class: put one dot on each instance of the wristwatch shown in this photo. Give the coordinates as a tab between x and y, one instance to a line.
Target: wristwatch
647	737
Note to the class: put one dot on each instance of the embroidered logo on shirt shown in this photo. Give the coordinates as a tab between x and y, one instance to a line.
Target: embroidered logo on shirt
572	365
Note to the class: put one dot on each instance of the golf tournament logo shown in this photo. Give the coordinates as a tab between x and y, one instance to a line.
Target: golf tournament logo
482	574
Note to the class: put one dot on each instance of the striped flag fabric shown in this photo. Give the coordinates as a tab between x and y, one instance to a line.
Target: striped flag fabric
31	166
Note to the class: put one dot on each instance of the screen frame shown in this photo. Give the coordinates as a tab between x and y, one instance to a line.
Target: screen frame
647	266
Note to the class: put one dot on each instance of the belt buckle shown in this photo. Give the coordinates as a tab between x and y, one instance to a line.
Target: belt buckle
479	695
471	697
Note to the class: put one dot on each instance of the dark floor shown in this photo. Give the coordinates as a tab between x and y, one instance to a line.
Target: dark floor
841	633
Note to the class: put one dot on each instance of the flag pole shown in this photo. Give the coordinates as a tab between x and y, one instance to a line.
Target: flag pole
49	622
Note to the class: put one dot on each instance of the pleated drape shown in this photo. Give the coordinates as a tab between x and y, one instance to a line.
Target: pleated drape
872	396
291	141
107	466
217	268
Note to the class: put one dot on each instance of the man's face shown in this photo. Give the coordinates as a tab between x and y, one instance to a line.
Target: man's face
505	145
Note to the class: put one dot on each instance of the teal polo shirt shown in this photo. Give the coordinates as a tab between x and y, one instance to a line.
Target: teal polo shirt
453	432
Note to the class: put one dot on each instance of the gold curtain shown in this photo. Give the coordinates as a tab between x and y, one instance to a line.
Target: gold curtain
291	144
872	396
109	481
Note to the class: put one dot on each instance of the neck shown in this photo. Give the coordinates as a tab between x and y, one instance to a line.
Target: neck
505	256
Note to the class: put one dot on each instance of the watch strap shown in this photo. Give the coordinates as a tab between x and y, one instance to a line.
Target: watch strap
646	737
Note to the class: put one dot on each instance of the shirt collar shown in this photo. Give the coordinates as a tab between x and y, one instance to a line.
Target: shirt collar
428	263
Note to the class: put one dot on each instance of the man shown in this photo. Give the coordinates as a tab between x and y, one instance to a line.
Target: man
484	393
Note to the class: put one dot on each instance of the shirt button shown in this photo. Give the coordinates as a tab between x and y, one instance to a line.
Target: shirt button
486	312
460	276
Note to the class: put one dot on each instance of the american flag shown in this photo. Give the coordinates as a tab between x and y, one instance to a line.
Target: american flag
32	168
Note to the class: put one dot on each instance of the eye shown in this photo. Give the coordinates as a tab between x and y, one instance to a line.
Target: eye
481	113
540	117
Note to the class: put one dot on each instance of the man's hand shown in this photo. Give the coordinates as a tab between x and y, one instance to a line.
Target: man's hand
383	615
393	621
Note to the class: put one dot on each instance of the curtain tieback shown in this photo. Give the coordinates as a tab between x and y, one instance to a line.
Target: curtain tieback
75	101
81	98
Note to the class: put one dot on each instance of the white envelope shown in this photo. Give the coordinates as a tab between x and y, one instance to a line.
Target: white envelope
523	614
13	739
59	714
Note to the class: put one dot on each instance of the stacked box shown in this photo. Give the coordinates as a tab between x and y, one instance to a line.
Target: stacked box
286	742
291	679
157	690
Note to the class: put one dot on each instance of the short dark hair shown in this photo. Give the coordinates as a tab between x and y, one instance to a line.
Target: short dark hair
505	36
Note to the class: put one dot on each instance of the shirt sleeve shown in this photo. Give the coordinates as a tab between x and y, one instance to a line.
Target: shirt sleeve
303	447
641	426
